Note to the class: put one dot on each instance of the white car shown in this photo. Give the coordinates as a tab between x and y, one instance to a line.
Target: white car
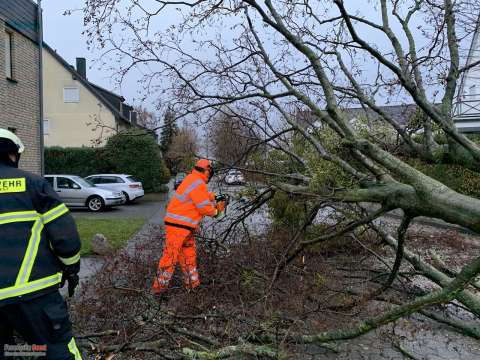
78	192
234	177
131	188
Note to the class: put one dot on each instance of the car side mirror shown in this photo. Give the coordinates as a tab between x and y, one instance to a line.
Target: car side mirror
76	187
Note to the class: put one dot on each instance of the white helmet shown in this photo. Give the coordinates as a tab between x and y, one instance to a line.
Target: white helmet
14	140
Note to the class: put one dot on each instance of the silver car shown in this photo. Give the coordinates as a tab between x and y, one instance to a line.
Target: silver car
75	191
129	186
234	177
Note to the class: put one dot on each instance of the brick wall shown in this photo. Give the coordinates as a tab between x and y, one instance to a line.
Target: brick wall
20	99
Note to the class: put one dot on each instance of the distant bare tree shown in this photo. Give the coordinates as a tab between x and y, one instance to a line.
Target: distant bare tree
181	153
146	118
232	139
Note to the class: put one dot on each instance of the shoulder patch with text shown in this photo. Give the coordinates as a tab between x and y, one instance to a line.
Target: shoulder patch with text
12	185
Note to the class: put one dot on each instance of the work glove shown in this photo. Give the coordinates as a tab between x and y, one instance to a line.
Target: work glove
70	274
221	206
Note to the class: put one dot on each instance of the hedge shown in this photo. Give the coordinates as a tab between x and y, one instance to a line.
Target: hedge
134	153
78	161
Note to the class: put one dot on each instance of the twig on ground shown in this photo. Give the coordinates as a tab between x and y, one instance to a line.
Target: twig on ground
99	334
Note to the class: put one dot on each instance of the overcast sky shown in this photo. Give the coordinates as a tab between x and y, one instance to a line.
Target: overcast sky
64	34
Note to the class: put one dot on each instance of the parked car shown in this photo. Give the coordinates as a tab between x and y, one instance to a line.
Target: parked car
75	191
130	187
178	180
234	177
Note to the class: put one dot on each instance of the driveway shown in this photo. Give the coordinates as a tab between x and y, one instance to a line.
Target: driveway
143	208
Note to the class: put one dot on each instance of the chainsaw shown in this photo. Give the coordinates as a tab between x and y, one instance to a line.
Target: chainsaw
225	198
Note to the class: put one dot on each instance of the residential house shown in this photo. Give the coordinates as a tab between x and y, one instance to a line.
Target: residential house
467	110
401	114
20	76
77	112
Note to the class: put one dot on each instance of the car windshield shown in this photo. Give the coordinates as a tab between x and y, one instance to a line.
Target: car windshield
83	182
132	179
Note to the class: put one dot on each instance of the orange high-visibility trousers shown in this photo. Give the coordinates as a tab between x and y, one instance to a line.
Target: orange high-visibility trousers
179	247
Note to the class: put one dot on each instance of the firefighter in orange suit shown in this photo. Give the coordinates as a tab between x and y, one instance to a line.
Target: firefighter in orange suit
190	203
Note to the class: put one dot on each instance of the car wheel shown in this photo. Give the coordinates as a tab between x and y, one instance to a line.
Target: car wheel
127	198
95	203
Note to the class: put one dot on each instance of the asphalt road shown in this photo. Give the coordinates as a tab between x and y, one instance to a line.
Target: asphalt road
143	208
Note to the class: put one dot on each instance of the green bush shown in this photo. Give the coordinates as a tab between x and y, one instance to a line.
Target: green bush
133	152
287	211
456	177
138	153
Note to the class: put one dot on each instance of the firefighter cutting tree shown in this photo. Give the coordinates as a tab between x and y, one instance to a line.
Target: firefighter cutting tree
39	251
189	204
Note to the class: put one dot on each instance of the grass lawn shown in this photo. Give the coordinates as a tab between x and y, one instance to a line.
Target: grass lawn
117	231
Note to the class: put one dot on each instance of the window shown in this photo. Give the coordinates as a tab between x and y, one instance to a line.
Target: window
107	180
65	183
46	127
112	180
132	179
9	55
49	180
94	180
71	95
99	180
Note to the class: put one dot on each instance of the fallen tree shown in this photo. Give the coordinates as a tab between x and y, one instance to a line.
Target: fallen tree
299	67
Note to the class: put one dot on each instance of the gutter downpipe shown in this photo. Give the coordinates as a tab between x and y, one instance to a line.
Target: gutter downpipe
40	84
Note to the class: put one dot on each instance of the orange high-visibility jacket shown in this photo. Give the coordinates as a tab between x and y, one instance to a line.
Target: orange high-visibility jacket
191	202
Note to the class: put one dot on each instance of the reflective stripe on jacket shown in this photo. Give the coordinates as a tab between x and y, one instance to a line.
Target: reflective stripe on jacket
37	235
191	202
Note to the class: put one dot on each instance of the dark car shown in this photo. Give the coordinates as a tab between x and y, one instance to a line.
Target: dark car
178	180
